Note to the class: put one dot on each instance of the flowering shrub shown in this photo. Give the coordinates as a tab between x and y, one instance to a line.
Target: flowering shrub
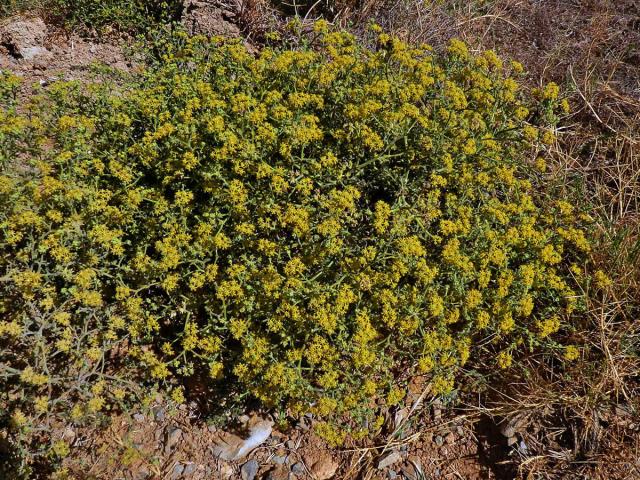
309	224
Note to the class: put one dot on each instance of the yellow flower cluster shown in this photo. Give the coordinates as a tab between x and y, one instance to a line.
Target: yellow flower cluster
301	222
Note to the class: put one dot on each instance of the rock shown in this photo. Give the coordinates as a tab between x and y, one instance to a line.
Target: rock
522	447
439	440
177	471
226	470
388	460
159	414
450	438
460	431
392	474
437	410
172	436
413	470
278	473
230	447
298	468
138	417
212	428
279	459
325	467
24	37
508	429
189	468
290	444
249	470
201	17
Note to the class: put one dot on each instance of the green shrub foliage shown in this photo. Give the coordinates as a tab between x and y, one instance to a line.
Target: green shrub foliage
308	225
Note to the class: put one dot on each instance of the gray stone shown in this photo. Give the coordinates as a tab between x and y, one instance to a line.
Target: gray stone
177	471
388	460
298	468
190	468
159	414
172	436
392	474
249	470
24	37
439	440
279	459
290	444
138	417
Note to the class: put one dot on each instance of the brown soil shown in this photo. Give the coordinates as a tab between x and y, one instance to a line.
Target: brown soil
56	54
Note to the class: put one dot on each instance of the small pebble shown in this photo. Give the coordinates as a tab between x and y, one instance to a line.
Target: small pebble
298	468
138	417
279	459
189	469
159	414
392	474
388	460
439	440
177	471
450	438
249	470
460	430
172	436
290	444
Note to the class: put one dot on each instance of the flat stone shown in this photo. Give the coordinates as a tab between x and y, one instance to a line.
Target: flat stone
278	473
279	459
439	441
325	467
177	471
24	37
159	414
389	459
298	468
249	470
172	436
